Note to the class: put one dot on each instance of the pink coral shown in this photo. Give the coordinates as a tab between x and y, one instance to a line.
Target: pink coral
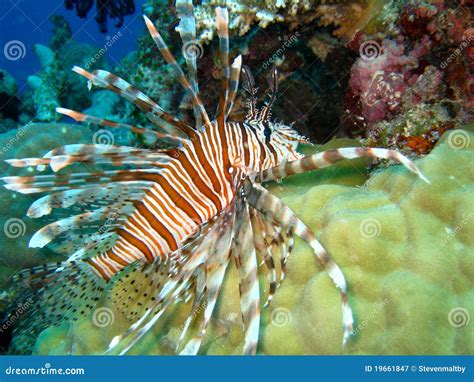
428	59
380	80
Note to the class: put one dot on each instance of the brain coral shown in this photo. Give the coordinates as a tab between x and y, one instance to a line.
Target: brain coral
405	247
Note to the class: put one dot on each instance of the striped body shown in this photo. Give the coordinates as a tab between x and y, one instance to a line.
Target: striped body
198	183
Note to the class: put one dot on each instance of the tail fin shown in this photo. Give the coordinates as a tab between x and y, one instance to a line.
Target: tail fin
49	295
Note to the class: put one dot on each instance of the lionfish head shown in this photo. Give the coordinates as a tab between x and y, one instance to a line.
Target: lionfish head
285	139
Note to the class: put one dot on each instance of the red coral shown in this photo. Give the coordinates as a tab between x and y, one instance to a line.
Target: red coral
378	82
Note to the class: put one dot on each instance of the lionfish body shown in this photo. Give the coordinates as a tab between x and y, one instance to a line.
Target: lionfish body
161	226
198	182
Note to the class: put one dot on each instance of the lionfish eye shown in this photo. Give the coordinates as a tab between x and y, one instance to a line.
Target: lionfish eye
267	131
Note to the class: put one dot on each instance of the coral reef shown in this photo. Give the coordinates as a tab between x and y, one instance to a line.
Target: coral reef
307	56
405	247
61	32
423	59
55	84
115	9
342	16
46	85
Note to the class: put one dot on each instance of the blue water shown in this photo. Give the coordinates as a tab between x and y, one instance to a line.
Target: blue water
28	21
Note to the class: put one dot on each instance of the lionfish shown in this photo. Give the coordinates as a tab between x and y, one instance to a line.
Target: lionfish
179	215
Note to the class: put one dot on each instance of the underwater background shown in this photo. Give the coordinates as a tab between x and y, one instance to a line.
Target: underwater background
391	74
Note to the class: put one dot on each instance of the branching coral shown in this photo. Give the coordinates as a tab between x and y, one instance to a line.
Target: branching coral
55	84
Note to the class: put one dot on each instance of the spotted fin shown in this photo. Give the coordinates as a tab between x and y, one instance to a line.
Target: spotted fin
78	222
62	182
51	294
80	117
92	197
209	252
